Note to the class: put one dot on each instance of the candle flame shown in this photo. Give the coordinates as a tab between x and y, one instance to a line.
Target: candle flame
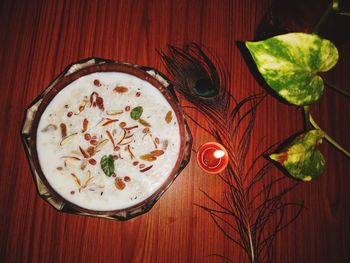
219	153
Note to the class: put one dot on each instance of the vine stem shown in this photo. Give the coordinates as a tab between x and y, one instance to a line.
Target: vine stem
328	138
306	112
322	19
332	86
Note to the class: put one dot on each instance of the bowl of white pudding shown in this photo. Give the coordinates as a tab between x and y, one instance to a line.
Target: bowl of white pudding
108	139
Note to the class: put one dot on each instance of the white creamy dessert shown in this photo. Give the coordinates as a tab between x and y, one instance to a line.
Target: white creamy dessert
108	141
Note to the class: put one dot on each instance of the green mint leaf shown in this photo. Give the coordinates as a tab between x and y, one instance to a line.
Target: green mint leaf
302	159
289	64
107	164
136	113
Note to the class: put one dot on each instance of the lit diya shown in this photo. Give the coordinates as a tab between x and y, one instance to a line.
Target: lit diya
212	157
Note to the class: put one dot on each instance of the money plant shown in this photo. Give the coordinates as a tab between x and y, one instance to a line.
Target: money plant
290	64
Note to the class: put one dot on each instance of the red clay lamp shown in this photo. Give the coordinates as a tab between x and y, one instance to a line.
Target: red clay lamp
212	157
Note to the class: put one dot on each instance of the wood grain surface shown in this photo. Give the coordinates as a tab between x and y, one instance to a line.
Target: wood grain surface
38	38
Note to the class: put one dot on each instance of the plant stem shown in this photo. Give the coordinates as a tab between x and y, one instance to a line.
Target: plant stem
332	86
322	19
306	117
328	138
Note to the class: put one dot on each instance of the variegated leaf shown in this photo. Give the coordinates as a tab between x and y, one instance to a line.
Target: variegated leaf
302	159
289	64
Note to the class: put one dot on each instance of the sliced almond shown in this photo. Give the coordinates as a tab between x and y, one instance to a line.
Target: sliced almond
169	116
126	141
146	169
157	153
132	156
83	165
76	180
129	135
82	106
114	112
121	137
84	153
71	158
165	144
144	123
110	138
87	179
148	157
68	138
91	151
109	121
100	145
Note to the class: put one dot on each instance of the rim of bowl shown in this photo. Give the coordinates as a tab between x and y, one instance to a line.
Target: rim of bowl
122	68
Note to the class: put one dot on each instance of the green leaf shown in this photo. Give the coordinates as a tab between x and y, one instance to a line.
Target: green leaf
302	159
107	164
136	113
289	64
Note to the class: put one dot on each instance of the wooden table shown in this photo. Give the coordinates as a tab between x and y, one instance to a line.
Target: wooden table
39	38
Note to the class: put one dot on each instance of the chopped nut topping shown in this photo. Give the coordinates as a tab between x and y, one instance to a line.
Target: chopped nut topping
120	89
63	130
119	184
169	116
144	123
87	136
97	83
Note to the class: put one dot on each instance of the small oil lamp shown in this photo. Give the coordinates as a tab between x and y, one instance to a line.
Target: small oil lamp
212	157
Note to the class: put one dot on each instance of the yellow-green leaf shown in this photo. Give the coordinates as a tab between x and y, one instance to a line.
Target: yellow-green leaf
289	64
302	159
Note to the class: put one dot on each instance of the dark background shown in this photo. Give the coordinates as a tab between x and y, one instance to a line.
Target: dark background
38	39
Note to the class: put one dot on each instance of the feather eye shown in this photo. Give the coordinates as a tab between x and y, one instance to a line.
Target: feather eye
192	70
